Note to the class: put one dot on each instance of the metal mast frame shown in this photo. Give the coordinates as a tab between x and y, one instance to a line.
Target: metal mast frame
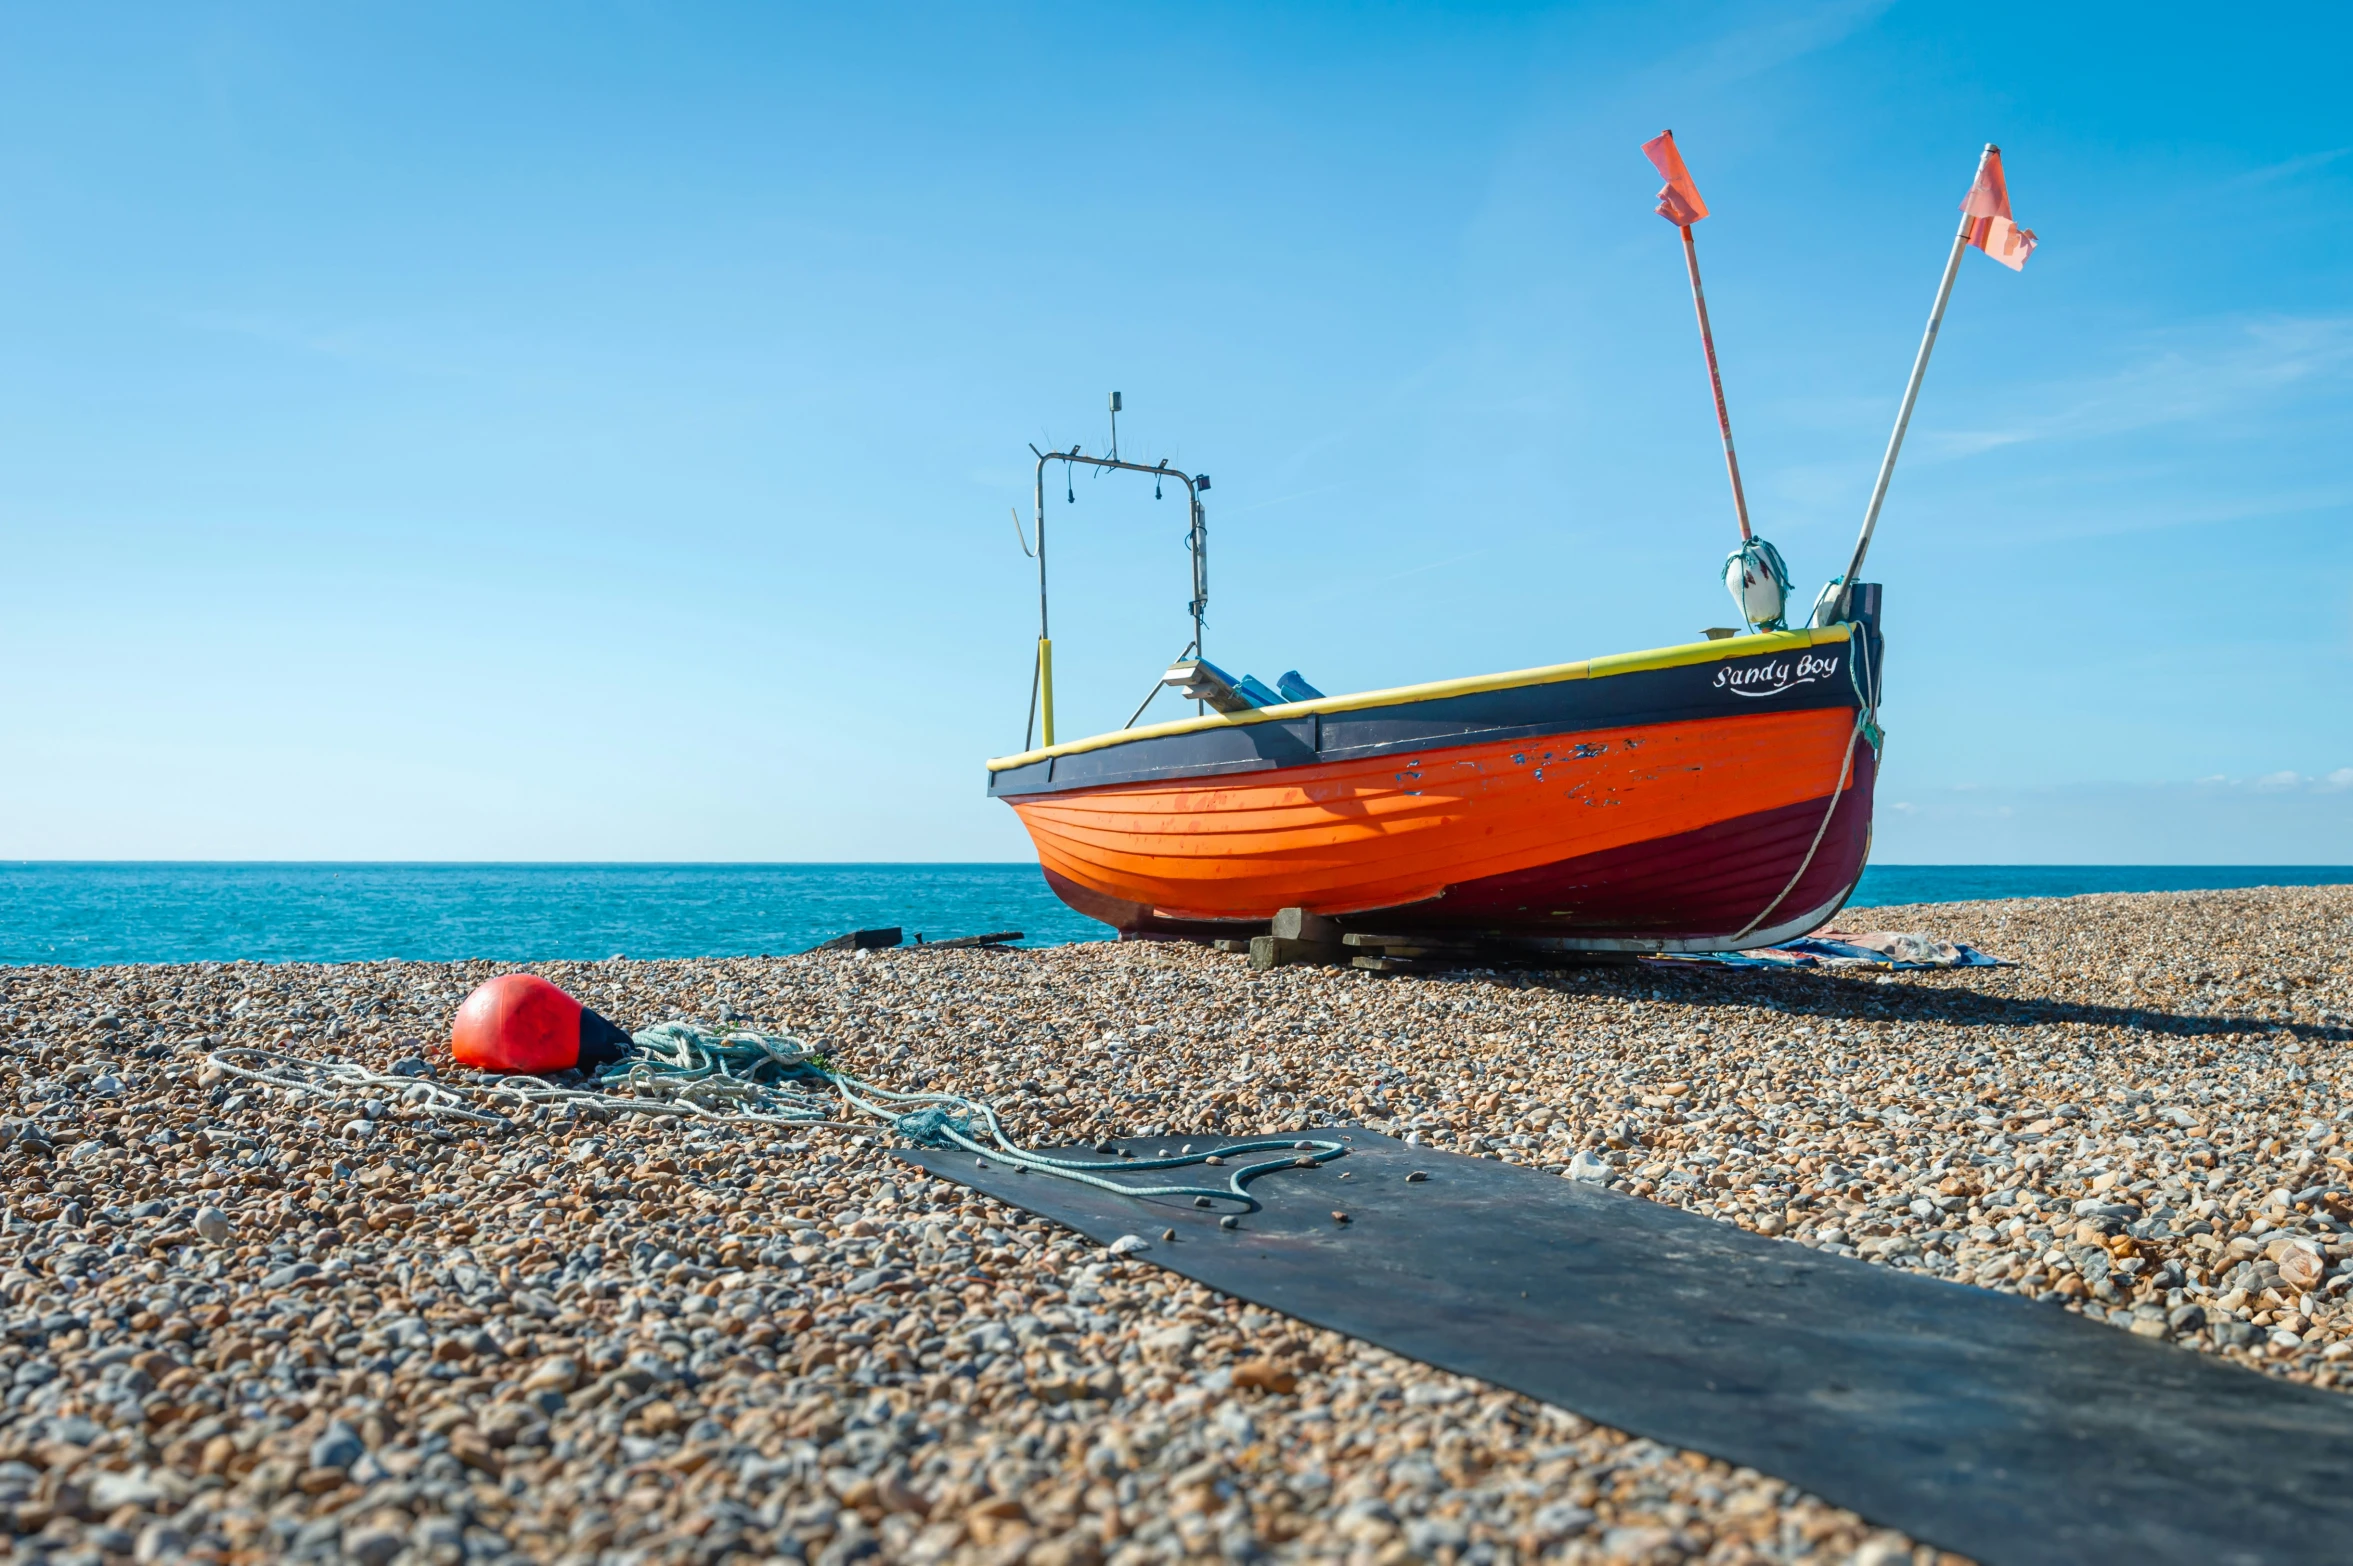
1196	542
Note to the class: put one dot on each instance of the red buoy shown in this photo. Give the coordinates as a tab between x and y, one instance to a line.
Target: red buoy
519	1022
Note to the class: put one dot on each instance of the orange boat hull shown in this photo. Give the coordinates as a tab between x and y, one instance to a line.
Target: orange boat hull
1718	828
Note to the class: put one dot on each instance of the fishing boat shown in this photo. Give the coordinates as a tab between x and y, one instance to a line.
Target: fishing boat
1709	796
1704	797
1701	797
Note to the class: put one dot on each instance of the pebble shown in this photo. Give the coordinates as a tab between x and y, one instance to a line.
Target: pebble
635	1341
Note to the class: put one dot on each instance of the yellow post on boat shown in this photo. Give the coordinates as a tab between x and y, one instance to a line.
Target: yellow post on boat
1046	683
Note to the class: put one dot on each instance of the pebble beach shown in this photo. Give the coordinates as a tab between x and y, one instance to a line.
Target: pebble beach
235	1327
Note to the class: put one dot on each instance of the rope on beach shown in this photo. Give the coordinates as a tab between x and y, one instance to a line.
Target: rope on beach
1866	727
676	1071
679	1070
933	1124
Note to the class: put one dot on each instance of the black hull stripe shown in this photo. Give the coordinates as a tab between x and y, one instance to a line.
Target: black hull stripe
1734	687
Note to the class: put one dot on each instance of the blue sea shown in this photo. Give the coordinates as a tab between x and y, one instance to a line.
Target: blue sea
87	914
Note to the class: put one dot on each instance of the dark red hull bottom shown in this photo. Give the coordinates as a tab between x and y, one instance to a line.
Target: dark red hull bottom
1710	885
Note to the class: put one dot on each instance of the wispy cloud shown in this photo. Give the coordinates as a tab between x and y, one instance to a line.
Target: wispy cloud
1361	584
2251	365
1784	34
2194	511
368	345
1228	513
2333	783
2215	820
2283	782
2273	173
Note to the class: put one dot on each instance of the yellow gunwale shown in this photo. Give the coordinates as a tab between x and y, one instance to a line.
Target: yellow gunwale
1589	669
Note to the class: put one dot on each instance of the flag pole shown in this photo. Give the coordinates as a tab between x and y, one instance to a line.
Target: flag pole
1903	418
1707	341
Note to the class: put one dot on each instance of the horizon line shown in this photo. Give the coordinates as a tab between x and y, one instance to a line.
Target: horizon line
1019	864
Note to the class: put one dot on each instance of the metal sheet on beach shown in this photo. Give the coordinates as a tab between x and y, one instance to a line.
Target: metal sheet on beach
1974	1420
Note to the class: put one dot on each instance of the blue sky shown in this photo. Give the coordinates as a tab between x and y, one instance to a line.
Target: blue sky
588	433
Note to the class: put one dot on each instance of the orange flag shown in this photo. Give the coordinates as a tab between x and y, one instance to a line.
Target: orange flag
1679	201
1988	208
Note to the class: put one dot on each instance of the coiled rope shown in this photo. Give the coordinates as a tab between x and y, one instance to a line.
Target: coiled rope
934	1125
675	1071
741	1077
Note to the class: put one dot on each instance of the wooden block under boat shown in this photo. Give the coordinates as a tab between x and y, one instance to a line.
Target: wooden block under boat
1275	951
1297	924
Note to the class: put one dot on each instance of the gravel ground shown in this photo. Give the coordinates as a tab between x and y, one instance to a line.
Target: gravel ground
236	1328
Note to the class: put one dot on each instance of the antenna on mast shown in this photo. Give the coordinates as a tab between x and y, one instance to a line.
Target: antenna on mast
1196	544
